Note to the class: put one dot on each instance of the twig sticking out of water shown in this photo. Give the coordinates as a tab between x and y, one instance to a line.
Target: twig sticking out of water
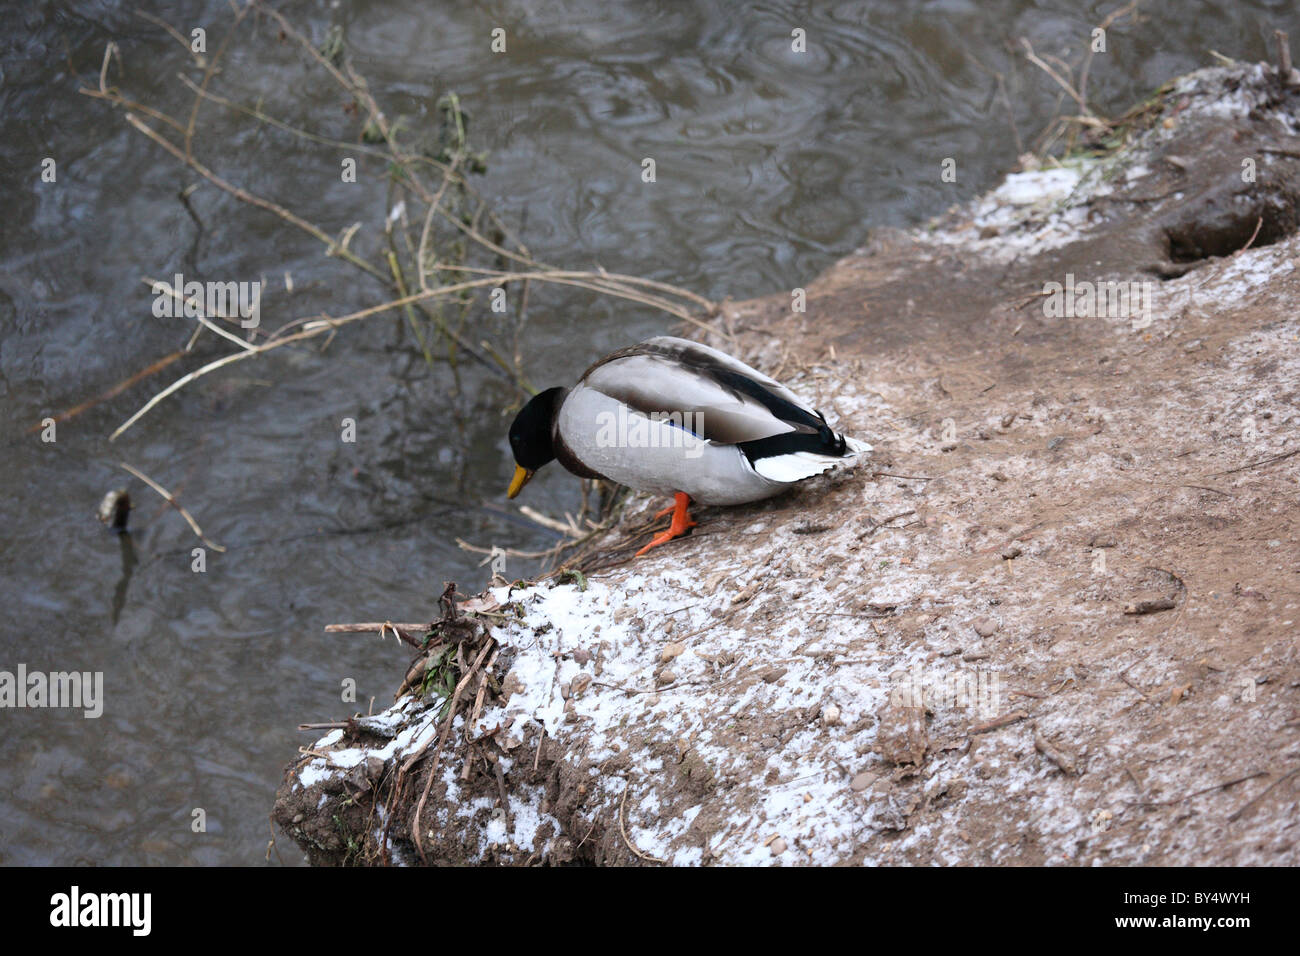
1062	74
171	500
405	632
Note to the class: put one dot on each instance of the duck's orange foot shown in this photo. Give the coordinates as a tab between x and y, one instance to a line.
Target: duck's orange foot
681	522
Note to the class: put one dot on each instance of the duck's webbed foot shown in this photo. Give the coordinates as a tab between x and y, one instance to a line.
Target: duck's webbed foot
681	522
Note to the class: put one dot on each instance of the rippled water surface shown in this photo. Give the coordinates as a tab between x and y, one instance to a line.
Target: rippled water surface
770	165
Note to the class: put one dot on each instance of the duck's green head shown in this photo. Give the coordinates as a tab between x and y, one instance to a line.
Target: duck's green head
530	437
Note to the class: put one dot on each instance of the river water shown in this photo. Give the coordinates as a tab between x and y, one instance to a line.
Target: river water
770	164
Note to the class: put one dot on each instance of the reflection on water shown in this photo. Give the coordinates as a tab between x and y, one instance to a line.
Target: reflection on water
770	165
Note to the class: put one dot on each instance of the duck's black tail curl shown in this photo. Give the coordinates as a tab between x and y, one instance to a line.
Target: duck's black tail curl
822	442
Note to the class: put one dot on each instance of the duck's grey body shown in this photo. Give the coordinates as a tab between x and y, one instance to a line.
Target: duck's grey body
670	415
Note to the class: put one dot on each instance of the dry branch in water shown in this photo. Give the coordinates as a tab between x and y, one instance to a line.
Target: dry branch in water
1094	127
171	500
420	273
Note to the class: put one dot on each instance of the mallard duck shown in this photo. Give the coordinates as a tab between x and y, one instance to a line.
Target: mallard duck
676	418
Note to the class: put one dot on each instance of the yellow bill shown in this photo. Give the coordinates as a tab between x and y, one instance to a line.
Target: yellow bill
521	478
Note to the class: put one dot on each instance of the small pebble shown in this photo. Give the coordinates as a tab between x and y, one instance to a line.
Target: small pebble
778	846
671	650
862	781
986	627
581	656
1012	551
666	676
830	715
774	675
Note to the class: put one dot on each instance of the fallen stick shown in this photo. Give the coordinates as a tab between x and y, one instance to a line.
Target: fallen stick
482	691
1208	488
1255	464
372	627
1063	763
999	722
1150	607
877	525
1125	678
623	830
1210	789
381	628
367	723
1232	817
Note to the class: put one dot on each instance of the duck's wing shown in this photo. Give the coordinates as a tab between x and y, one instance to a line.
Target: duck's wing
727	401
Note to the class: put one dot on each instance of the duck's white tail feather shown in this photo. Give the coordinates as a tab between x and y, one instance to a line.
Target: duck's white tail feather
799	465
793	467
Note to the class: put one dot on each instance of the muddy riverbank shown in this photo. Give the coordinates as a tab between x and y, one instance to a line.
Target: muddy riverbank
1053	619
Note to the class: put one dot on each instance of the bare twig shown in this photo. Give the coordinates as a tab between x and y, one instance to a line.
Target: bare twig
1232	817
1255	464
404	632
1064	763
1060	80
171	500
171	30
999	722
1150	607
153	368
623	830
1209	789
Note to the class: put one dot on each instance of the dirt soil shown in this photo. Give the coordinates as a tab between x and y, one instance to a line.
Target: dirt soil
1052	619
